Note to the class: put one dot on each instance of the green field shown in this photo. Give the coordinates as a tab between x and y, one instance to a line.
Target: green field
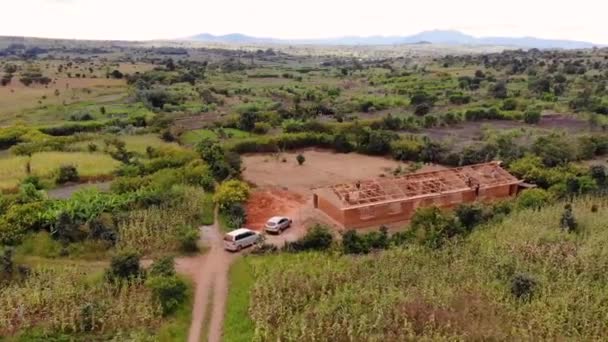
193	137
45	165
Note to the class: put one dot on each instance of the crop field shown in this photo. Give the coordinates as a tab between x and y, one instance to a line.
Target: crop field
459	292
45	165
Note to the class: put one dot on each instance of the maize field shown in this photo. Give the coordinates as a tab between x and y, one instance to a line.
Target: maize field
463	291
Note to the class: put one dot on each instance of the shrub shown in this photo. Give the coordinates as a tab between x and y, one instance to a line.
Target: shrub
170	292
406	149
523	286
432	227
342	144
533	199
509	104
188	238
301	159
353	243
469	215
124	265
231	192
261	128
317	238
236	215
67	173
163	267
532	116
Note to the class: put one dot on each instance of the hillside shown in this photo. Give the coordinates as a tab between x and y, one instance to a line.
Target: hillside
439	37
465	290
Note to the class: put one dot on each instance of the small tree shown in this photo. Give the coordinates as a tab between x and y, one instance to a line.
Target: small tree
169	291
231	192
188	238
124	265
301	159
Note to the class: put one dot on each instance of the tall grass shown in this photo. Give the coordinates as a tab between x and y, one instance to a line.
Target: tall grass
461	292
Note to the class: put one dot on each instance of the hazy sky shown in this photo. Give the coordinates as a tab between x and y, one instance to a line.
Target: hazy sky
164	19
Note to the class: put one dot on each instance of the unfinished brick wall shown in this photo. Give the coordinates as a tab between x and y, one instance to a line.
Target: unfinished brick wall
382	201
401	211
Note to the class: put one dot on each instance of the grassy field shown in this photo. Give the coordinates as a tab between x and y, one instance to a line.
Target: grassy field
45	164
193	137
134	143
464	291
16	99
238	326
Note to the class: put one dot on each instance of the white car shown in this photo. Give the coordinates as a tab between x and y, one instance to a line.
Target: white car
277	224
240	238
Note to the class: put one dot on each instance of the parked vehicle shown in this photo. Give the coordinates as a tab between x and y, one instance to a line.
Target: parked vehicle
240	238
277	224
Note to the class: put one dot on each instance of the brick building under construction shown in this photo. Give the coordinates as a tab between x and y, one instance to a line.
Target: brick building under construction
388	200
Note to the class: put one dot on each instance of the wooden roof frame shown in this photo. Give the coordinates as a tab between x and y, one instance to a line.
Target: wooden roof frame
418	185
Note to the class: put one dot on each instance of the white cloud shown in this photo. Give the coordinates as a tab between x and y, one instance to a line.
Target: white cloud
152	19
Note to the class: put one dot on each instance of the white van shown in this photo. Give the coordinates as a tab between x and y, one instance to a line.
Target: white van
240	238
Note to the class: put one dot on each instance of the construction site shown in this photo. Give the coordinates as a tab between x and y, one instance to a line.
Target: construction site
386	200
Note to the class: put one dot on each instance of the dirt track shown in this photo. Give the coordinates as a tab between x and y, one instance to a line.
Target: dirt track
209	272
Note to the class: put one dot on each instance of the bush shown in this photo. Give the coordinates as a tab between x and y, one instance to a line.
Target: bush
406	149
432	227
231	192
236	215
301	159
533	199
469	215
355	243
124	265
523	286
532	116
170	292
509	104
317	238
261	128
188	238
67	173
163	267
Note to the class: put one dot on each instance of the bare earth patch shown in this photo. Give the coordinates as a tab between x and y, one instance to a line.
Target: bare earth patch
285	188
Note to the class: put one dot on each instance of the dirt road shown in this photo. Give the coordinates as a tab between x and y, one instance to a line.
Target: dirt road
210	275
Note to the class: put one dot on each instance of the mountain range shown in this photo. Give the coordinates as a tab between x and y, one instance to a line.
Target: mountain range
440	37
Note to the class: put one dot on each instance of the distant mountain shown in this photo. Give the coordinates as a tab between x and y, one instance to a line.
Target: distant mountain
441	37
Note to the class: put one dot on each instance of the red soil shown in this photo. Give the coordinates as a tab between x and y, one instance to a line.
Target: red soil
263	204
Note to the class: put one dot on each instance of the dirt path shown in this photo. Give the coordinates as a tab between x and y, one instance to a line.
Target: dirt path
66	192
210	275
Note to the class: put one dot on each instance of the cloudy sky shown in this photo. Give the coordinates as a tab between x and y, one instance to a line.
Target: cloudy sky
166	19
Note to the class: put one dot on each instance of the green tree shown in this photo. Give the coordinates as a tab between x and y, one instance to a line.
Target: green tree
231	192
124	265
170	292
163	267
